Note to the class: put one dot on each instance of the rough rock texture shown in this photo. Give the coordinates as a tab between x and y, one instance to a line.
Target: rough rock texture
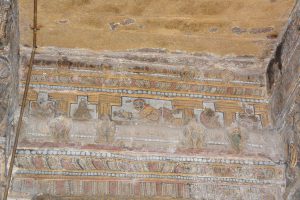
9	66
284	85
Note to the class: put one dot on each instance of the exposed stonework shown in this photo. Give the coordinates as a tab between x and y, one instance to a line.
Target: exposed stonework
284	84
9	66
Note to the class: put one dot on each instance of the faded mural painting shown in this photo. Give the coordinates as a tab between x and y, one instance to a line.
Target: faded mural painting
153	123
139	122
91	131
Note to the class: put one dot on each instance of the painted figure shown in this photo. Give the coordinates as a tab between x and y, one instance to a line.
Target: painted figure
123	114
235	138
149	113
249	119
105	130
60	129
209	119
82	112
43	109
193	135
146	111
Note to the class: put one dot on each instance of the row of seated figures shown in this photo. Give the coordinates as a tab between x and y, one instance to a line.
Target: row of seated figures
150	125
145	148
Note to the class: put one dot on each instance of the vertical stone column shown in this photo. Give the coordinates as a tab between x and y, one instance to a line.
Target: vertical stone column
284	84
9	66
292	132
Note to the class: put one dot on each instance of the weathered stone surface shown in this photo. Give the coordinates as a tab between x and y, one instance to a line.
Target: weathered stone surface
284	71
182	25
9	66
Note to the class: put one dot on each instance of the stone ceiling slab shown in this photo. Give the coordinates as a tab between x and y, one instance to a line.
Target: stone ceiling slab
235	27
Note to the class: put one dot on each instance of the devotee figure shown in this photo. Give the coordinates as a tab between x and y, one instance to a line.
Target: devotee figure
82	112
105	130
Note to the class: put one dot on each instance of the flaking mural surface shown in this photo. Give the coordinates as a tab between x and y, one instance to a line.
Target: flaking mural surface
153	123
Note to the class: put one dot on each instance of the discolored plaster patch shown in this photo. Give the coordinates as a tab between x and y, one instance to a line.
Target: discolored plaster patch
238	30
